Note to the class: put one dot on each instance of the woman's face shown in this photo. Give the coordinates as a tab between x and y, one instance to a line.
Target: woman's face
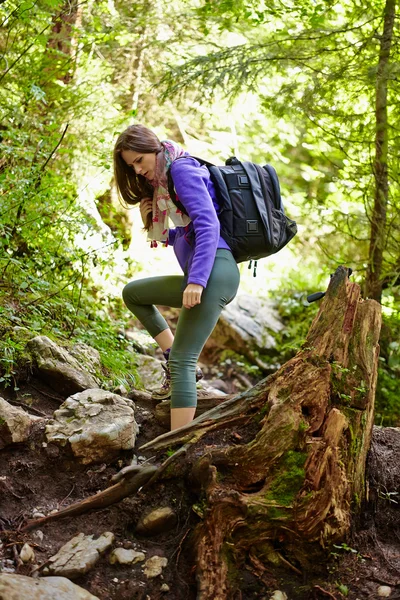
144	164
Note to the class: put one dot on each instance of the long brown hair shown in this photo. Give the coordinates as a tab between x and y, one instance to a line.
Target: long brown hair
130	186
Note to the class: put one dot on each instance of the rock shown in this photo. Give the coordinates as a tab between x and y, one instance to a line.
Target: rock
126	557
27	554
79	555
384	591
15	424
246	324
96	424
153	566
157	521
141	341
164	588
278	595
120	390
58	368
87	357
16	587
211	389
149	370
38	535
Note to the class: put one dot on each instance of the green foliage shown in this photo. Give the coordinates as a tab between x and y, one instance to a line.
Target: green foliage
57	318
289	83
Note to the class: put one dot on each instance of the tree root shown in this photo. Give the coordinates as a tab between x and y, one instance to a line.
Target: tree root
129	484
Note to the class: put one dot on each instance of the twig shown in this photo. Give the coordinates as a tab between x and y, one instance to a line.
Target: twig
179	548
27	407
55	148
68	495
17	558
320	589
47	395
288	564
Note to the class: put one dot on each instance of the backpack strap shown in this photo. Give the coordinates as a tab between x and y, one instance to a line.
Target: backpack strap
171	187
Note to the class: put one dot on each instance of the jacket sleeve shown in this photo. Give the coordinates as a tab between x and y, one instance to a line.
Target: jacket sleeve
190	181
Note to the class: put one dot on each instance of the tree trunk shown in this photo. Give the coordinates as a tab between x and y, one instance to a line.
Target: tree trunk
378	217
288	488
61	53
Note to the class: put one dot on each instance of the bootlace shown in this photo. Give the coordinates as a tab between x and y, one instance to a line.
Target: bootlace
166	382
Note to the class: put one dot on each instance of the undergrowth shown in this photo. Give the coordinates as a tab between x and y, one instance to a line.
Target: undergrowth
100	325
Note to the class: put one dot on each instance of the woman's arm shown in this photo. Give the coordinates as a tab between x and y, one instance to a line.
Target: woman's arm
190	181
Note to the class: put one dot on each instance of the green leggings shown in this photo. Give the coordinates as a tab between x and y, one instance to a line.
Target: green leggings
194	325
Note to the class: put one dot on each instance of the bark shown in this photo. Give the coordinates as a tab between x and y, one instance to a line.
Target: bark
288	491
374	280
62	45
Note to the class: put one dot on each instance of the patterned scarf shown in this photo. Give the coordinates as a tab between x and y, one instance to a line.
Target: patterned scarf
163	207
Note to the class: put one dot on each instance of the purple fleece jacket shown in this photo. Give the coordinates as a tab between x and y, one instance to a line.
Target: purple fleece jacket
196	244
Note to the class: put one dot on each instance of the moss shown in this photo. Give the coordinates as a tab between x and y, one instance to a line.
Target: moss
289	479
233	573
275	512
303	426
284	393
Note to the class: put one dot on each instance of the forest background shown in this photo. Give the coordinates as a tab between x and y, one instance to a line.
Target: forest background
311	87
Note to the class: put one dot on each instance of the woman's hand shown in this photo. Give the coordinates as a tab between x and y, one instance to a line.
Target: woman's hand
192	295
146	207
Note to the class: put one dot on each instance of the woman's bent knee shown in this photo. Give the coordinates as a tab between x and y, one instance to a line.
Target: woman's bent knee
129	294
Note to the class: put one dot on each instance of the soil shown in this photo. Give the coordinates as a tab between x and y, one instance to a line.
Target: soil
40	477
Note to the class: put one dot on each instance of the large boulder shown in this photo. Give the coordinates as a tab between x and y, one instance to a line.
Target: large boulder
249	325
87	356
15	424
58	368
96	424
80	554
18	587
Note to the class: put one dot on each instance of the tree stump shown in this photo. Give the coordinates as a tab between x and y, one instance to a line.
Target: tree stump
289	491
280	468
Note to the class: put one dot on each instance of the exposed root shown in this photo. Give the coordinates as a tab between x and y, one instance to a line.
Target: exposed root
126	487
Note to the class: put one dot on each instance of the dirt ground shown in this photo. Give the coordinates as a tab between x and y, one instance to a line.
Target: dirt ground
40	477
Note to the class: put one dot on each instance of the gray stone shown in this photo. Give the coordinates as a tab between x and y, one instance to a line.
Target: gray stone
58	368
141	341
247	324
126	557
278	595
79	555
96	424
15	424
149	370
88	357
384	591
27	554
157	521
153	566
18	587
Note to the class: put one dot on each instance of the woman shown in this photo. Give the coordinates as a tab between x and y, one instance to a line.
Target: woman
211	277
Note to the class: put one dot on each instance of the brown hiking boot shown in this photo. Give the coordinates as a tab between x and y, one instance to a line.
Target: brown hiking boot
165	390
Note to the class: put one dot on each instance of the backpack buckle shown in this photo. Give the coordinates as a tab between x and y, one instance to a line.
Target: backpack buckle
252	226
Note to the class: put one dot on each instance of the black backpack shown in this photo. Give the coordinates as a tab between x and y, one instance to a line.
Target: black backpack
252	217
